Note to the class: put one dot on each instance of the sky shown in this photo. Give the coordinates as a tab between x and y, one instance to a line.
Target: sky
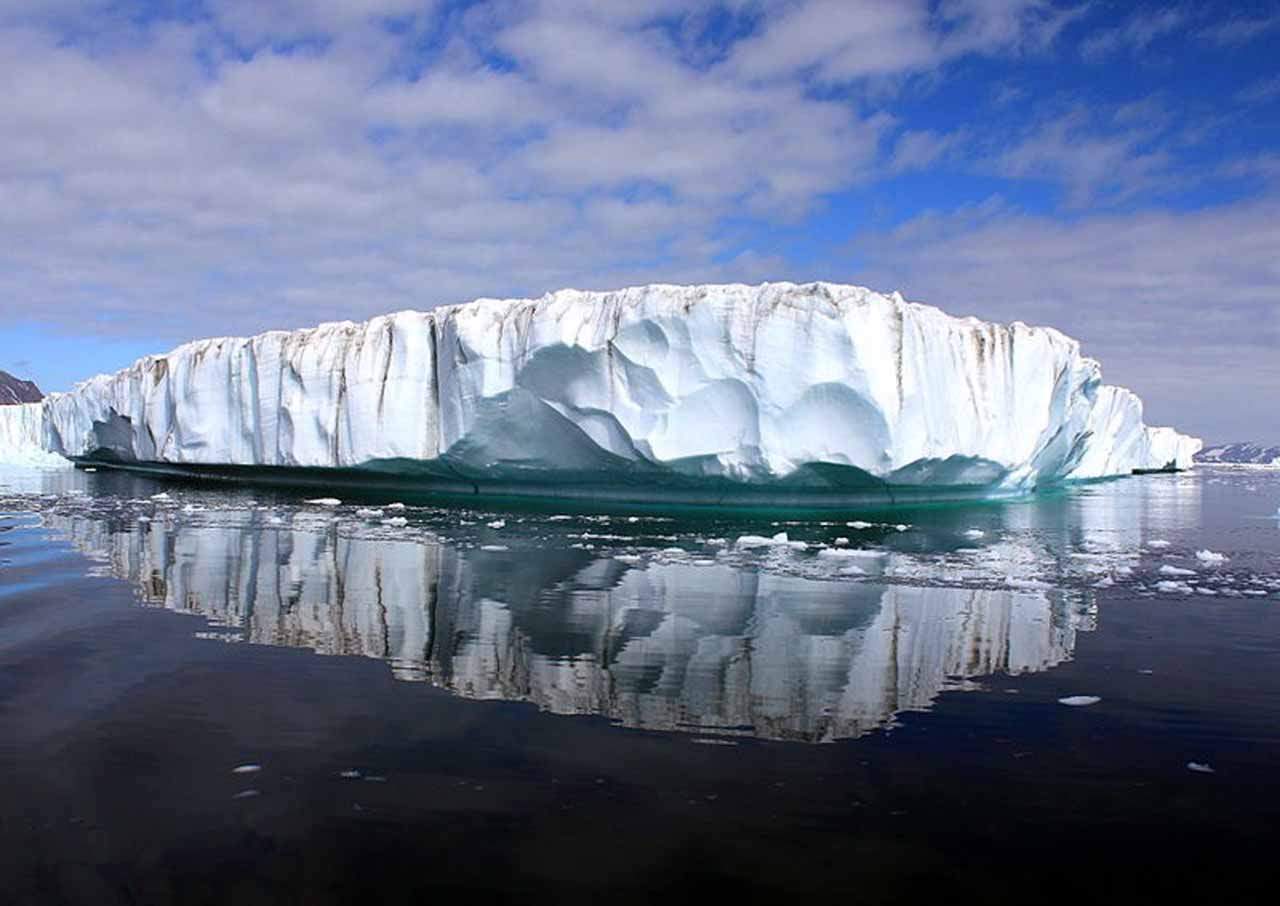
174	169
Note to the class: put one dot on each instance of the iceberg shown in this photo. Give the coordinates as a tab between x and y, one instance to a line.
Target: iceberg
816	393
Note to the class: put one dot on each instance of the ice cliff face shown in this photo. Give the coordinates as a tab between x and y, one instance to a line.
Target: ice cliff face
813	387
23	436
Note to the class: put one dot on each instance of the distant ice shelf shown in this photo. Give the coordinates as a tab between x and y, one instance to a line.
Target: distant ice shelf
815	391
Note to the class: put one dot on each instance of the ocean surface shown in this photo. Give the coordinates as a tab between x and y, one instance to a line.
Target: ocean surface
216	695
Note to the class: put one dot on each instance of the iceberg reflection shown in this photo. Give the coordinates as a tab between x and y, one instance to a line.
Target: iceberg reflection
665	645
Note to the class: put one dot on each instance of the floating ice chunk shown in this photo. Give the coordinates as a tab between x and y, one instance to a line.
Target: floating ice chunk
494	547
628	558
1208	556
246	794
161	496
1200	767
1167	570
1104	582
902	527
1079	701
751	541
1170	587
369	513
395	506
246	769
274	520
1202	590
838	553
858	524
396	522
324	501
704	562
974	533
1030	584
496	524
1157	543
192	508
89	469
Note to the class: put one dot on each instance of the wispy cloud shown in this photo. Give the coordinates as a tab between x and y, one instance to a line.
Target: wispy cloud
1241	29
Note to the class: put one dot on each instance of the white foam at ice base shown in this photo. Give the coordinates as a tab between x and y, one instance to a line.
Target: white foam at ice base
746	383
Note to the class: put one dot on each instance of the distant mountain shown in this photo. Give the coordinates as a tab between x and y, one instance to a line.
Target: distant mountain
1240	453
14	391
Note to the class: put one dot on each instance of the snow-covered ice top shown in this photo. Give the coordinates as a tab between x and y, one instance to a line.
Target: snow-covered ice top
808	386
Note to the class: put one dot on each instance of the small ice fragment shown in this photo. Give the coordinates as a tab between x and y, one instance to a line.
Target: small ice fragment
675	551
1157	543
89	469
396	521
750	541
858	524
1169	585
628	558
1208	556
835	553
975	533
274	520
1167	570
369	512
246	794
780	538
192	508
351	774
144	518
494	547
842	541
395	506
1104	582
246	769
902	527
497	523
1146	672
1079	701
161	496
324	501
1199	767
704	563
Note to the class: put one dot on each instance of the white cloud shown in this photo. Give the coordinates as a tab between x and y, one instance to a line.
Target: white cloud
1135	34
1241	29
1094	156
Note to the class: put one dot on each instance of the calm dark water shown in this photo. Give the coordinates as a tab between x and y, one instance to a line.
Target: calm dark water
617	707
